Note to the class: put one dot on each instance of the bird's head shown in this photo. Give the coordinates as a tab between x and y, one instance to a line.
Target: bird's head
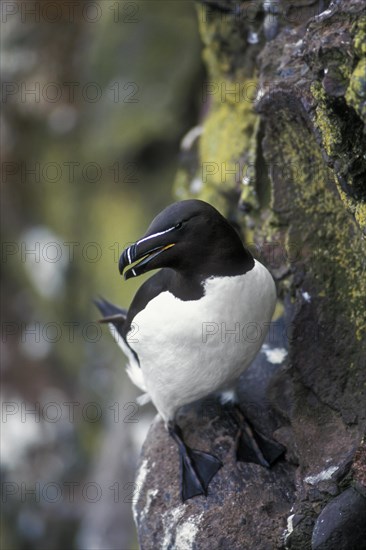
188	236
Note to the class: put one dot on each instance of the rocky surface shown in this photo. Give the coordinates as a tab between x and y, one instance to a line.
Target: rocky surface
341	524
244	500
298	149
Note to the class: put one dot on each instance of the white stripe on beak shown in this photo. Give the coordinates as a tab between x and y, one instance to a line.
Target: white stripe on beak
155	235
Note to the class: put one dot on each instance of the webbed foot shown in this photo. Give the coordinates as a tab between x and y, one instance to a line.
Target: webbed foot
252	445
197	468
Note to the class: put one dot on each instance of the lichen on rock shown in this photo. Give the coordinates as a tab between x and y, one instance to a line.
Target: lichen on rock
226	162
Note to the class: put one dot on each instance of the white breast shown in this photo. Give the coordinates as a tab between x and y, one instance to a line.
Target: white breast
189	349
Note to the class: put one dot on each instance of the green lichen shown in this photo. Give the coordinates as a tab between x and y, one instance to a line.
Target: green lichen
360	215
359	41
357	208
335	265
326	122
333	141
356	91
227	140
227	147
225	52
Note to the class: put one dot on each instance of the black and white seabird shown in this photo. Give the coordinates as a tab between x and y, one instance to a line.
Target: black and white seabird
176	333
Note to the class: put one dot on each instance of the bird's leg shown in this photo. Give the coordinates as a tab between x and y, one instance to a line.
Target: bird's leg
251	445
197	468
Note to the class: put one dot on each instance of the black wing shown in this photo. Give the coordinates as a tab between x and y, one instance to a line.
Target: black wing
112	314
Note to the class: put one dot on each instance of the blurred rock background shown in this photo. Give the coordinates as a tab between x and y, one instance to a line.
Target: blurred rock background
96	98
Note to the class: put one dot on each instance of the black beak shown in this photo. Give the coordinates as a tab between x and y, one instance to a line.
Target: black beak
143	251
127	257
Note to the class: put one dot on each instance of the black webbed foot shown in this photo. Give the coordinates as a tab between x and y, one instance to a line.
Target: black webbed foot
251	445
197	468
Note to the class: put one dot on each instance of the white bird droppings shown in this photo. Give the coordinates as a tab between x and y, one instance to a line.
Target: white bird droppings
185	533
150	497
274	355
140	480
290	527
322	476
170	520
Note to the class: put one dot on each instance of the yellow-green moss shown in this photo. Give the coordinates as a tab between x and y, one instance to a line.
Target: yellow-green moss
227	152
227	139
359	40
356	91
224	41
326	122
329	127
335	265
227	147
357	208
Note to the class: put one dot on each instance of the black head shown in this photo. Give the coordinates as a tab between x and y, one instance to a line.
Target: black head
191	237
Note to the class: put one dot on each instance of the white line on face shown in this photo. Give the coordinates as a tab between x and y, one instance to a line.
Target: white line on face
155	235
129	255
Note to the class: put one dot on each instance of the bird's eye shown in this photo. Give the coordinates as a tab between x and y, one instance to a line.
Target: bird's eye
178	225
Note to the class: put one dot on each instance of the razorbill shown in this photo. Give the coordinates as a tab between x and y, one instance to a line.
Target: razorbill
195	325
